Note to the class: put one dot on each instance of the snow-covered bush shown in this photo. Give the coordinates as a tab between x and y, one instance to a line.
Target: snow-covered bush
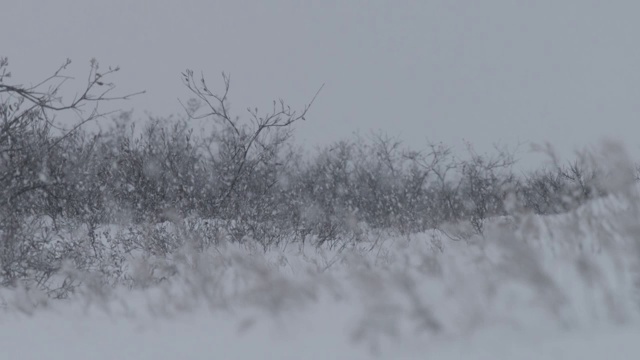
39	158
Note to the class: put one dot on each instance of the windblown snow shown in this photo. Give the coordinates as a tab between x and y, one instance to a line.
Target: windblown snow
531	287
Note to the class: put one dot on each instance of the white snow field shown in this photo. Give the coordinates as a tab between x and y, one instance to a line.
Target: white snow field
532	287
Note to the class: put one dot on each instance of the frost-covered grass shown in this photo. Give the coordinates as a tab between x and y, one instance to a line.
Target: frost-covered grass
531	287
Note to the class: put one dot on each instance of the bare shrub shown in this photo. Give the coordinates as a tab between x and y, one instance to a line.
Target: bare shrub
34	150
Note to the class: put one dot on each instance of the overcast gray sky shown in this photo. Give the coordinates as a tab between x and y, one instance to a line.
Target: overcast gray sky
566	72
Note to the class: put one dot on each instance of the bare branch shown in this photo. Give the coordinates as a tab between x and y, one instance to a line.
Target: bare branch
243	138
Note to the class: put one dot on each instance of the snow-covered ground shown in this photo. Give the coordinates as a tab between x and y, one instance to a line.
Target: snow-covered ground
561	287
315	334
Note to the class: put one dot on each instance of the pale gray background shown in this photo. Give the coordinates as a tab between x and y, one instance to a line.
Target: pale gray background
484	71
